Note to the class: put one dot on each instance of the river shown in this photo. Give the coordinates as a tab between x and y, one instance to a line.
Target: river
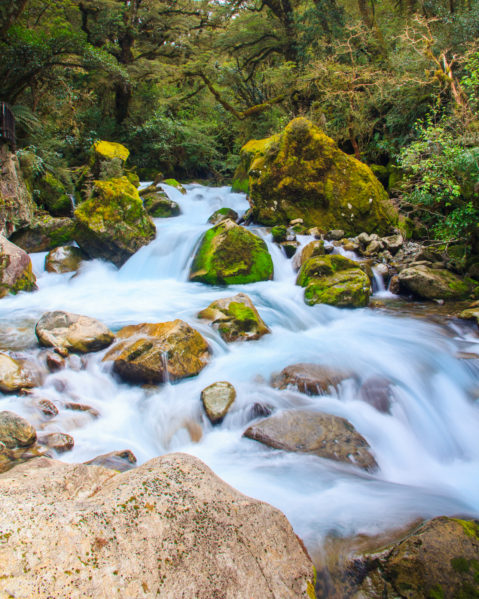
427	448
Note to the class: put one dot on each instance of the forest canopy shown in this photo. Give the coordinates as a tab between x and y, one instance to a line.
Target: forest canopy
185	83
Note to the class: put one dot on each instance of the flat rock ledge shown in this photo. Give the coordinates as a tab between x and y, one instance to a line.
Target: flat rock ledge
170	528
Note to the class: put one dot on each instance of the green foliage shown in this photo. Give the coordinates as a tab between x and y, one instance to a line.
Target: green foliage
441	177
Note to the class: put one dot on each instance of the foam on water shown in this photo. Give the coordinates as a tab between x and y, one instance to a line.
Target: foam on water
427	448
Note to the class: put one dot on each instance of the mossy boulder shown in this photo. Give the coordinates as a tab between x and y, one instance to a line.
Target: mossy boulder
334	280
324	435
51	194
174	183
437	560
255	148
223	214
279	233
113	224
159	205
235	318
45	233
429	283
107	159
301	173
16	272
231	255
158	352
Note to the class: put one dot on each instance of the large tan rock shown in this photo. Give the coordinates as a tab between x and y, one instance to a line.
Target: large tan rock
169	528
217	400
73	332
44	233
156	353
15	269
433	284
312	379
17	441
13	376
65	258
324	435
235	318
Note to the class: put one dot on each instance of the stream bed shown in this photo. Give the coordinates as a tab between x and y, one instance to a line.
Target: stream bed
427	447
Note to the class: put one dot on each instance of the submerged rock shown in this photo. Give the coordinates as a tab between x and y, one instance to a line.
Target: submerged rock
231	255
235	318
45	233
217	400
429	283
113	224
323	435
311	379
66	258
156	353
72	332
16	272
301	173
170	528
13	376
334	280
121	461
439	559
223	214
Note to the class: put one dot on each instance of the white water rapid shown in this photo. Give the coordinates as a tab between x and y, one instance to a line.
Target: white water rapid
427	448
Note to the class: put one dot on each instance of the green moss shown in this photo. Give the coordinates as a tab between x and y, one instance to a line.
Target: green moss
279	233
133	178
174	183
229	254
436	593
110	150
471	527
240	185
51	194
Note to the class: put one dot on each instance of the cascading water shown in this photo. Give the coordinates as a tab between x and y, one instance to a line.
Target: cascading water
427	447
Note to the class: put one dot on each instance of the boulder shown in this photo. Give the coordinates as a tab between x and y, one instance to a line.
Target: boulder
311	379
428	283
334	235
17	441
13	376
107	159
231	255
46	407
157	353
113	224
301	173
170	528
16	272
72	332
393	243
54	361
290	247
65	258
334	280
59	442
223	214
235	318
159	205
44	233
16	204
51	195
217	400
121	461
438	559
279	233
323	435
310	250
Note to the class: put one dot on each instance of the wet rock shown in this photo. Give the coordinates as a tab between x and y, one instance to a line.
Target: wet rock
13	375
395	285
65	258
279	233
121	461
350	245
113	224
393	243
73	332
47	407
334	280
174	183
373	247
437	559
235	318
170	528
217	400
323	435
81	407
376	391
229	255
44	233
15	431
159	205
334	235
311	379
54	361
15	269
59	442
382	270
223	214
259	410
155	353
311	250
290	247
427	283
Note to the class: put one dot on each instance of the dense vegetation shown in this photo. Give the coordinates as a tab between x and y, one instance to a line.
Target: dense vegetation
185	83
